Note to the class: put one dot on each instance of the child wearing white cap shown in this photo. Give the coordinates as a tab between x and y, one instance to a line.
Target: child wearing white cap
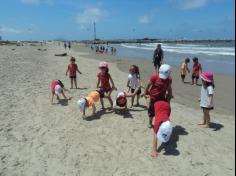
159	88
90	101
57	88
162	126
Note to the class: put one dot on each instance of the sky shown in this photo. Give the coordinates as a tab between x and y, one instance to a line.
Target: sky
117	19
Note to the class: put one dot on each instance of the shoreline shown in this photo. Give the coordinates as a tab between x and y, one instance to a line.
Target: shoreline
185	94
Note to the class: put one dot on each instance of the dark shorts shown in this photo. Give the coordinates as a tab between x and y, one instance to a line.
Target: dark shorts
138	93
207	108
183	76
72	77
195	77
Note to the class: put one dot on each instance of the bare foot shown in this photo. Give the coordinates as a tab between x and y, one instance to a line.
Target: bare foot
201	124
154	154
150	126
205	126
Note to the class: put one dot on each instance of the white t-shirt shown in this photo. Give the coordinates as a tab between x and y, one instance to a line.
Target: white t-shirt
133	81
205	93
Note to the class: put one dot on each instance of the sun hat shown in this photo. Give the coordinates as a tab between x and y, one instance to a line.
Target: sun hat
121	99
58	89
207	76
164	71
164	132
103	65
81	104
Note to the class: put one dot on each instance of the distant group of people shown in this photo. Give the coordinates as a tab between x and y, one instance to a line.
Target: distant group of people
67	45
158	93
104	49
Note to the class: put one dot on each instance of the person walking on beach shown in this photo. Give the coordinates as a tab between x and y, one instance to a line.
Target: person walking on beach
72	69
184	69
69	45
104	80
206	100
134	83
197	69
158	57
65	45
159	88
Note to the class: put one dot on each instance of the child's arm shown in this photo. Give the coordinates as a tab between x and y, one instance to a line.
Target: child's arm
94	109
210	100
128	85
147	89
170	93
112	83
84	112
67	71
52	96
98	83
63	94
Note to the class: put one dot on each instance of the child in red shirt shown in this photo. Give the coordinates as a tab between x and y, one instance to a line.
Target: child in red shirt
159	88
197	69
104	79
57	88
72	69
162	115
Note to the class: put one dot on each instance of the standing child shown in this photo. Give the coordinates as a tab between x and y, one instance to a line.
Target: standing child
134	83
104	79
184	69
72	69
206	100
159	88
197	69
162	126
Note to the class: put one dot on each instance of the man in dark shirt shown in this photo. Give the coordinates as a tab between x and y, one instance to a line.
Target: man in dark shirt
158	57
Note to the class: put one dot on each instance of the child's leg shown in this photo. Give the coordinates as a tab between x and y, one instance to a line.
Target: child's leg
132	101
102	103
204	119
71	83
207	118
109	98
197	81
75	83
154	147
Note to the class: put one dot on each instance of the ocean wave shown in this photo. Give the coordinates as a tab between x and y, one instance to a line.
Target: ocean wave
186	49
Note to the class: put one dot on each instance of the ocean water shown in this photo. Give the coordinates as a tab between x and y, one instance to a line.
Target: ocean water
217	57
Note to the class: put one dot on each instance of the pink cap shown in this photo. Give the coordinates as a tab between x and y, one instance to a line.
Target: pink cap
103	65
207	76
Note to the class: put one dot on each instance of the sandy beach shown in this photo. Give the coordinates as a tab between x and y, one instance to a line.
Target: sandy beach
40	139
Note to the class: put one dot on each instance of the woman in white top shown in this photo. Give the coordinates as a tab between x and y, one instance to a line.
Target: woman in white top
134	83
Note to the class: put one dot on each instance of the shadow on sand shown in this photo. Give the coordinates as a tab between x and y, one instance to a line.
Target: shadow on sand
124	113
216	126
170	148
98	115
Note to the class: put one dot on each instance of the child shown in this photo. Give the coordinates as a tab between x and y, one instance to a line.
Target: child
72	69
184	69
197	69
206	100
104	79
57	88
134	83
162	126
159	88
90	101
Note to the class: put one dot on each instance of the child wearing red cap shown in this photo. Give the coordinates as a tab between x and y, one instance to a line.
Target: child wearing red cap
162	115
104	79
206	100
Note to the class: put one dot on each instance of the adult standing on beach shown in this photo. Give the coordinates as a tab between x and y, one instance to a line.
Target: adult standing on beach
69	45
158	57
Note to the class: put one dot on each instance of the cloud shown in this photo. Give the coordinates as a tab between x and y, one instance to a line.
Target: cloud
190	4
37	2
90	15
5	29
144	19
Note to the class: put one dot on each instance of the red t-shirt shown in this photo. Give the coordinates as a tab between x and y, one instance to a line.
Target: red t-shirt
53	85
159	87
72	69
162	114
105	81
196	69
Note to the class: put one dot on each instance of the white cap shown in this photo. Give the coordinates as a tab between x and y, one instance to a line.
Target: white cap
164	132
164	71
81	104
58	89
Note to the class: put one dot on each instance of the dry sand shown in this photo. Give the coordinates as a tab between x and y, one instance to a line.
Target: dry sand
39	139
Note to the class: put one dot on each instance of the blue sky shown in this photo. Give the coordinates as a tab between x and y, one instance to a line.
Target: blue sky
116	19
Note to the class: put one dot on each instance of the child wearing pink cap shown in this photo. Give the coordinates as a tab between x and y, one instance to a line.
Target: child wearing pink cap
206	100
104	80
